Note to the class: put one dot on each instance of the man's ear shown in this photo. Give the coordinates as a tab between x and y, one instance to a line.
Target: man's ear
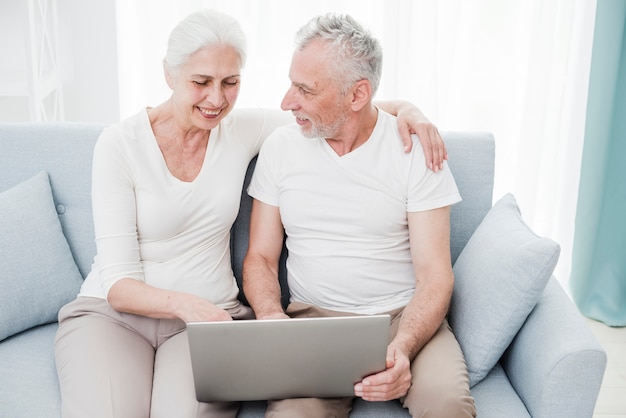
361	94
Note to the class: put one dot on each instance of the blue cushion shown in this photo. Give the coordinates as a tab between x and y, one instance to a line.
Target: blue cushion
37	272
499	277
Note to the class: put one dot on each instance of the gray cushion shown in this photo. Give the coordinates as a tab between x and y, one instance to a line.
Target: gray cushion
37	272
499	277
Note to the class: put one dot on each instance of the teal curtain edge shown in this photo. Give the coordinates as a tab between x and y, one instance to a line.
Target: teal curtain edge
598	278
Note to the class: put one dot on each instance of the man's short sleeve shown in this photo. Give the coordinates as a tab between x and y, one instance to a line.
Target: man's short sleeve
264	184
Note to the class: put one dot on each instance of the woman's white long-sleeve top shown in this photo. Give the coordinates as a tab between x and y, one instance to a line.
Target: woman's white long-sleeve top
151	226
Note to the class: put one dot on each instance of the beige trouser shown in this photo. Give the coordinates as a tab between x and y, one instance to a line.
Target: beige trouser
439	384
117	365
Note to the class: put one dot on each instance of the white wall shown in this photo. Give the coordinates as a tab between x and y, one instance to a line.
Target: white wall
89	60
88	50
13	87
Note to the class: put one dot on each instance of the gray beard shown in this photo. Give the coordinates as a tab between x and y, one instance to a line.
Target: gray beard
326	131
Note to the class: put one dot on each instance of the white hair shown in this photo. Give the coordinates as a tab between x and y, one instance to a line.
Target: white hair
359	54
200	29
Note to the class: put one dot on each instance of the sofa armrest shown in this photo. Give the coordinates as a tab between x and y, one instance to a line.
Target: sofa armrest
555	363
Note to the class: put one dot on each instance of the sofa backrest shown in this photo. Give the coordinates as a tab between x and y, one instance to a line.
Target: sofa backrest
471	158
64	150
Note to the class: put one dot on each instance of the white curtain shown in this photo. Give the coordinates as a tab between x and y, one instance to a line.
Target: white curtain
516	68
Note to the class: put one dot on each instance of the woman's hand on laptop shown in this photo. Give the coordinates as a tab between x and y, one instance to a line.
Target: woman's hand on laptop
391	383
197	309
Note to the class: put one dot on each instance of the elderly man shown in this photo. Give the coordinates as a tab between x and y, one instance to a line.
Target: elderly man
367	226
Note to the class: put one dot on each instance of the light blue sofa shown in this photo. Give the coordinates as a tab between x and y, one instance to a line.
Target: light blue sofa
540	360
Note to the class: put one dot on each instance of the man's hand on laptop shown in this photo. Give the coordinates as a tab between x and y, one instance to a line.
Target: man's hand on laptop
274	315
392	383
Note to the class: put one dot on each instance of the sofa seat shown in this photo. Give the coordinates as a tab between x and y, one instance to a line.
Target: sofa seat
29	386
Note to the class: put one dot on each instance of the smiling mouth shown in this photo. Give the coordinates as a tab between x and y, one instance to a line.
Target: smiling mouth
209	113
300	120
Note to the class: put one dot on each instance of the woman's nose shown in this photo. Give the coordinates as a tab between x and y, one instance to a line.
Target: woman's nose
215	95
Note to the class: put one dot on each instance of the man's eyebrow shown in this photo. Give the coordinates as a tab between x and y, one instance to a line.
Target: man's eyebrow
303	85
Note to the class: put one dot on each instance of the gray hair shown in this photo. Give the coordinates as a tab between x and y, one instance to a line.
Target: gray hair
200	29
359	55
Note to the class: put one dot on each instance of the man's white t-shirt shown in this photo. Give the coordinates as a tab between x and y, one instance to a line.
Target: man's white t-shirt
346	217
153	227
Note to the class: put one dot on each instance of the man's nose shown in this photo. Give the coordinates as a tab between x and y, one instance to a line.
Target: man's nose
288	102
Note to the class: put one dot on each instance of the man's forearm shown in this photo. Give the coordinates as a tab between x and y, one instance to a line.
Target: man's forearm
421	319
261	287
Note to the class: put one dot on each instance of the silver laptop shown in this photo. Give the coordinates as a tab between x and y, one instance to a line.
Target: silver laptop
288	358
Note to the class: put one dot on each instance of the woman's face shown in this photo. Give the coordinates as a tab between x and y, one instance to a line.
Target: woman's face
206	87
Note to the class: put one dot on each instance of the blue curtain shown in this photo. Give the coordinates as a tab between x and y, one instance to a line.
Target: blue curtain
598	280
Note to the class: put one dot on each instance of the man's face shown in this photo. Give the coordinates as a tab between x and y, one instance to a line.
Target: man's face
314	97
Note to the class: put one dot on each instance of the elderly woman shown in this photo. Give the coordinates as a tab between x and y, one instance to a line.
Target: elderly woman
166	189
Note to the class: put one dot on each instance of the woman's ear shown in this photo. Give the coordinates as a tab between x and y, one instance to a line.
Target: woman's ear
361	94
169	77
